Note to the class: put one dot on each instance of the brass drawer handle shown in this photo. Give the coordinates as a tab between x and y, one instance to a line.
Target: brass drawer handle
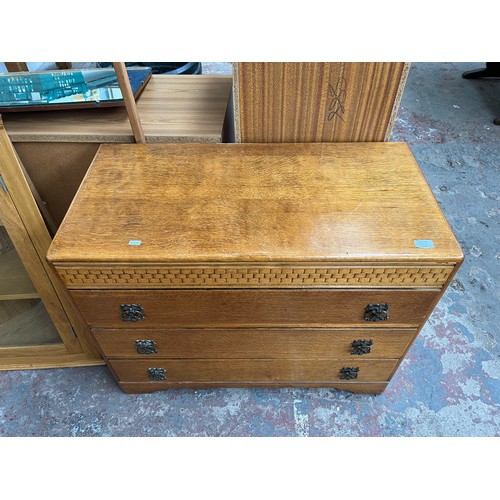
361	346
348	373
146	346
376	312
157	374
132	312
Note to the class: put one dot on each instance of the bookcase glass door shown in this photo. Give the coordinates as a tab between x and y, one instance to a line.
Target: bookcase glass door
24	320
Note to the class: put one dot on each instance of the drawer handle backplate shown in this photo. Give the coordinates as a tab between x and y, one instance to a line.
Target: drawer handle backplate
132	312
361	346
157	374
377	312
146	346
348	373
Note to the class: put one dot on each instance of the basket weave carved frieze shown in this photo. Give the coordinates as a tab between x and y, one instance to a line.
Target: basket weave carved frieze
261	276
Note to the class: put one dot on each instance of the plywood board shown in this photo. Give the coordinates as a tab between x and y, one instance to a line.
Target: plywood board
316	102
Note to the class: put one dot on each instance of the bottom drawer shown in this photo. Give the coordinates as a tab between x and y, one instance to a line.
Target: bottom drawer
250	371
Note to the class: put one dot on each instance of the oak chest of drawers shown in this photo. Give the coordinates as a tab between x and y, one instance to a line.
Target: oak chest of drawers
255	264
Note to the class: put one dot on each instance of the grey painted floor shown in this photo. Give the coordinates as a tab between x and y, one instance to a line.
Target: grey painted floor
447	386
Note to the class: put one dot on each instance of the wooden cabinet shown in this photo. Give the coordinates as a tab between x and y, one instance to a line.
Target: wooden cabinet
255	264
39	324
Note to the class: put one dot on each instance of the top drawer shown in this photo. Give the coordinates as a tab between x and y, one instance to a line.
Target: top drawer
255	308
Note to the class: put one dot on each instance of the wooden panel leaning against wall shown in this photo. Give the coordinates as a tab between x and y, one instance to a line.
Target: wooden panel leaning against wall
40	327
316	102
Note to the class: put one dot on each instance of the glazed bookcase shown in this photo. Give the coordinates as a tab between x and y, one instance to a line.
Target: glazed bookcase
39	324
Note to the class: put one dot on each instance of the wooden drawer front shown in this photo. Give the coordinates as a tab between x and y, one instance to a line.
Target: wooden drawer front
251	370
254	308
256	343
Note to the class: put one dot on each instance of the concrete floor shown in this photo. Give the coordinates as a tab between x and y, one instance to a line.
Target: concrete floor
447	386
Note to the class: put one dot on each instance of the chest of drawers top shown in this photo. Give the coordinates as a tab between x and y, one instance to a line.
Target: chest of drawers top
245	214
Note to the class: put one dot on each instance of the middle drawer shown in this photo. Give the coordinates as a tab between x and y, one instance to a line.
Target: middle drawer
254	343
255	308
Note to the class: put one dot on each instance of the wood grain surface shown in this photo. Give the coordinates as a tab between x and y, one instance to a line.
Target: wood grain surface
316	102
254	343
172	108
254	308
252	370
203	203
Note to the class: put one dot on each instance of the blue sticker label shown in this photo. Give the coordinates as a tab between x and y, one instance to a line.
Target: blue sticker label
135	243
424	243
